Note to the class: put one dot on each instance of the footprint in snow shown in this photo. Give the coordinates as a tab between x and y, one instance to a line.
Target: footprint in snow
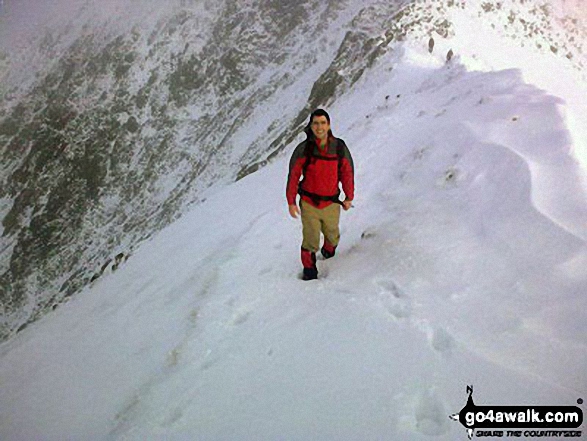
388	286
241	318
369	233
431	414
173	416
265	271
441	340
393	299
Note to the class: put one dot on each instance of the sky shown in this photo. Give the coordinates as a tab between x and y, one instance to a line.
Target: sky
24	20
27	17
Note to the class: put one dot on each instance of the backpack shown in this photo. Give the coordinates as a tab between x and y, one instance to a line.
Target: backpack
309	153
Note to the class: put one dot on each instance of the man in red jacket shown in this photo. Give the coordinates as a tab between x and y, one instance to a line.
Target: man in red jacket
324	161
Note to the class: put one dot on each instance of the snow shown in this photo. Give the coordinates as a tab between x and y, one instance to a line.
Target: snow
462	262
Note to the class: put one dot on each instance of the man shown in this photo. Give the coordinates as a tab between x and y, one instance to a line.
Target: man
324	161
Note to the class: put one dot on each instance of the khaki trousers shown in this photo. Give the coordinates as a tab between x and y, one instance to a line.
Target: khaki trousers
315	220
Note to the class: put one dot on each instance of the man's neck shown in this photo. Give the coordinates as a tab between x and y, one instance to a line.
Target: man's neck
322	141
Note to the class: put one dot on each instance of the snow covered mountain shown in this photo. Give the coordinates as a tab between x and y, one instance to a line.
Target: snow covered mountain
115	118
129	115
463	261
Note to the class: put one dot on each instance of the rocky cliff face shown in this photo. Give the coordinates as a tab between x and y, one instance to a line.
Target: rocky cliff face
112	123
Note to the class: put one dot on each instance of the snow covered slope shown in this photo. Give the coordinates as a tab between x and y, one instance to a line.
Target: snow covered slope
463	262
113	122
117	116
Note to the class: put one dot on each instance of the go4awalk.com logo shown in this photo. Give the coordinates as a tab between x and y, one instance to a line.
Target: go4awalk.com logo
520	421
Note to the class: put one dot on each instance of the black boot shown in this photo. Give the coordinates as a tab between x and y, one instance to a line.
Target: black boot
310	274
327	254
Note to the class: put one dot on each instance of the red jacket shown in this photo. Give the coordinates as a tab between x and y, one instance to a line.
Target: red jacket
323	173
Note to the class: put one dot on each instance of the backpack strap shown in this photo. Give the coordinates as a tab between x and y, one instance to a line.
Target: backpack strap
339	154
316	198
308	151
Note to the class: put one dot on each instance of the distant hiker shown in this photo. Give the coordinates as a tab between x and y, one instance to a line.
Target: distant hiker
449	55
324	161
431	45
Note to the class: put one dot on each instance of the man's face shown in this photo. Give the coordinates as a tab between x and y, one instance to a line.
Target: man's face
320	127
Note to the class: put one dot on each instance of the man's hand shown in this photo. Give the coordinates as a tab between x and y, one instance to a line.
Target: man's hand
346	204
294	211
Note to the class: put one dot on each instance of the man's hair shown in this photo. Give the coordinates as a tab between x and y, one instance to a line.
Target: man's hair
315	113
319	112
